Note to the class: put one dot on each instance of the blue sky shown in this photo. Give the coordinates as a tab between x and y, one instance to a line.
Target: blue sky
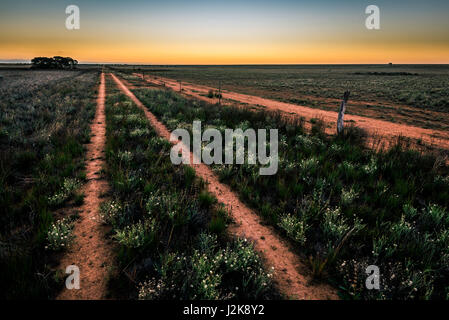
253	31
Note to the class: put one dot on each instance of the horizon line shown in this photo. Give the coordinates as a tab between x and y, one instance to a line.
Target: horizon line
26	62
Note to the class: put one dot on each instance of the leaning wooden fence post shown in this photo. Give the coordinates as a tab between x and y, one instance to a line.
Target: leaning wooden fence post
341	114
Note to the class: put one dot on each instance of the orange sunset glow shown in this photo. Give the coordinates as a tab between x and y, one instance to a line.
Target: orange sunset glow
234	33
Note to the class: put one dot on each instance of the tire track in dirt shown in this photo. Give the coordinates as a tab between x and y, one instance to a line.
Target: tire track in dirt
291	275
375	127
90	251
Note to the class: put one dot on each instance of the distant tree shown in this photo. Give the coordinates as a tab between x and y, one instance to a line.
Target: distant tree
56	62
42	63
64	63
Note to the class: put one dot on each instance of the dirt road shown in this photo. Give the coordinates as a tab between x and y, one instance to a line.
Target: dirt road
387	130
91	252
291	275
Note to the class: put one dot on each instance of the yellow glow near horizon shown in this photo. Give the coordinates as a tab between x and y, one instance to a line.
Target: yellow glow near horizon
238	54
251	35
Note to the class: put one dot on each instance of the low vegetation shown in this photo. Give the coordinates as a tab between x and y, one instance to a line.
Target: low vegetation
377	91
345	207
170	232
60	236
42	131
342	206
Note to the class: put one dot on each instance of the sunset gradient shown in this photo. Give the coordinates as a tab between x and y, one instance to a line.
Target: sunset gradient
227	32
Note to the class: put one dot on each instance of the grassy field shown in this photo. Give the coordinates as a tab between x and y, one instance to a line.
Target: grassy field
170	231
410	94
339	205
44	122
344	207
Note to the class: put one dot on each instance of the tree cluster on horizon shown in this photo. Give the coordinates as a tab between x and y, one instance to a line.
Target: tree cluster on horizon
56	62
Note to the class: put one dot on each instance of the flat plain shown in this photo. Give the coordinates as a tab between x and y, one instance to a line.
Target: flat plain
335	206
410	94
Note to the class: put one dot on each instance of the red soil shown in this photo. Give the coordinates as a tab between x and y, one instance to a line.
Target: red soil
291	275
91	252
387	130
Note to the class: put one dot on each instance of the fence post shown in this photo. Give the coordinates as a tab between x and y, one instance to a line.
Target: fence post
341	113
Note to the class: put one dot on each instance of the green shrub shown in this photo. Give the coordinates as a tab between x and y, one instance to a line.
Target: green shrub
136	235
206	199
217	224
67	190
210	94
111	213
60	235
209	273
294	227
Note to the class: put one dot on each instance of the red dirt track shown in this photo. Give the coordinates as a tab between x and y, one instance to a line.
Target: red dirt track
291	275
91	252
387	130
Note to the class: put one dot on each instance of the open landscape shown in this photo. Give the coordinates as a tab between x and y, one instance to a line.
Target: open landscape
410	94
199	159
161	231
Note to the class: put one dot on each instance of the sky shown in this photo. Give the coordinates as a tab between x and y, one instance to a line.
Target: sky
227	31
